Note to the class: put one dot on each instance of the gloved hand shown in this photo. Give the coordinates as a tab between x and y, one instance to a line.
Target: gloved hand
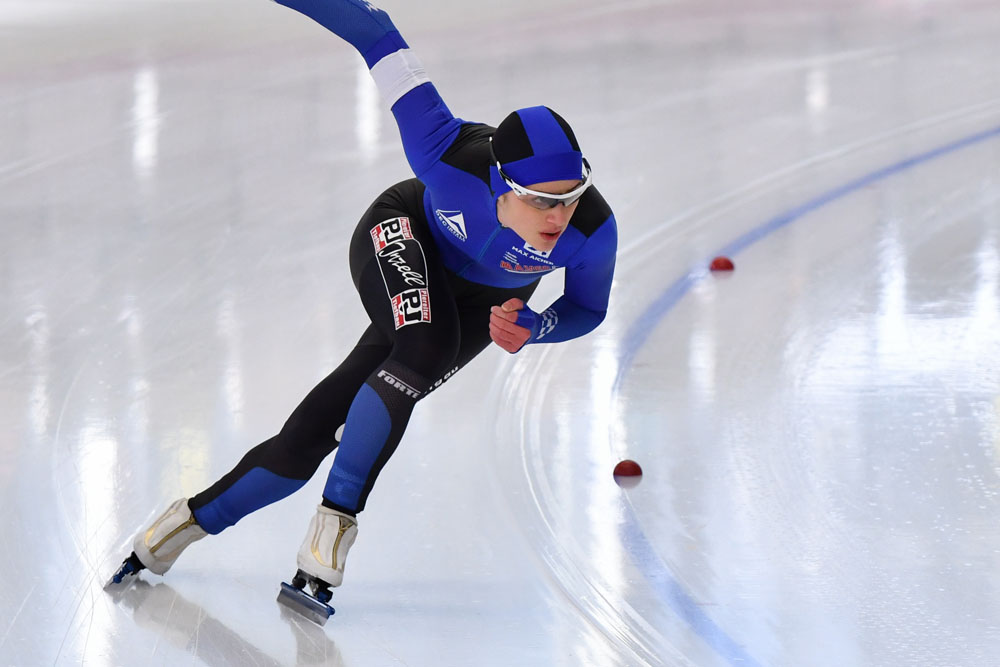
513	324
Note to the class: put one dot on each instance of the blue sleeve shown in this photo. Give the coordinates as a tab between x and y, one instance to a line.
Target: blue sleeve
426	125
586	292
361	24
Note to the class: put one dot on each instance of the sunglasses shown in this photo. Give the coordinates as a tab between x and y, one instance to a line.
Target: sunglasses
546	200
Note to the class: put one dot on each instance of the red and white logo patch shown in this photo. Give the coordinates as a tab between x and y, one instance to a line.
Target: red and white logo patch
391	231
411	306
404	271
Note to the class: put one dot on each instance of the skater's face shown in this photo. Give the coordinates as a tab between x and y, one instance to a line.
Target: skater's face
539	227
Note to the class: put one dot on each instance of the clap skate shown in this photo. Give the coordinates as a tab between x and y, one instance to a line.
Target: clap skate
126	573
321	560
157	547
313	604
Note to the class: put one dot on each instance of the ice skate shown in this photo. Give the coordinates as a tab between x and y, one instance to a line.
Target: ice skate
157	547
125	574
321	562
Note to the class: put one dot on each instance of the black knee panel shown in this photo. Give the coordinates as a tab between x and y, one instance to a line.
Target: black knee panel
397	384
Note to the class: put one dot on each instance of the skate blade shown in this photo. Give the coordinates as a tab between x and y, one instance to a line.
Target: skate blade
124	580
122	585
299	601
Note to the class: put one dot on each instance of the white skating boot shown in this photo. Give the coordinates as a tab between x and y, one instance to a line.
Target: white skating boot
324	551
321	562
158	546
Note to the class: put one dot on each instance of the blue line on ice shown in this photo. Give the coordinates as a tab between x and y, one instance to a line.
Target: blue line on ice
654	570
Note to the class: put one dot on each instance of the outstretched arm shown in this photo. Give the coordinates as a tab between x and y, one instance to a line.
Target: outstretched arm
426	125
366	27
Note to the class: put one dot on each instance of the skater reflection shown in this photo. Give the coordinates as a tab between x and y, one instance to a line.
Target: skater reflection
312	646
188	627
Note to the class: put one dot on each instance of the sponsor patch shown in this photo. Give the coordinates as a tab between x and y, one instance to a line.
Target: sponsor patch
404	271
391	231
515	267
443	379
396	383
454	222
535	251
411	307
520	260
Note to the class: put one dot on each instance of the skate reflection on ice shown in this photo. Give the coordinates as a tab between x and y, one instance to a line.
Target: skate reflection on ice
312	645
188	626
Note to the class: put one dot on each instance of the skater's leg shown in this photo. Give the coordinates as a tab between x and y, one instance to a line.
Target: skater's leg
380	413
421	353
404	288
281	465
388	397
267	473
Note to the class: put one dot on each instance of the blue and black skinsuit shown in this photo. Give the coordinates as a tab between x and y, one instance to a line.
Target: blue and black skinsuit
429	258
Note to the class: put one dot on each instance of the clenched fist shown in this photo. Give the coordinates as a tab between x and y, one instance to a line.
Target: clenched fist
504	329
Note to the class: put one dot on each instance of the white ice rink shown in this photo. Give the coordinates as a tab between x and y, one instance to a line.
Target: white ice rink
819	430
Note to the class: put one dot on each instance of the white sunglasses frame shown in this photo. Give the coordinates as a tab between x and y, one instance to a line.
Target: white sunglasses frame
566	199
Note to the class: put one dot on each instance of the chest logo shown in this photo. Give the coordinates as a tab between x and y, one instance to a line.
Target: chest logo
517	260
454	222
536	251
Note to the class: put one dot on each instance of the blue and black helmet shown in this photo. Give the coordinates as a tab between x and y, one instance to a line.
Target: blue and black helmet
534	145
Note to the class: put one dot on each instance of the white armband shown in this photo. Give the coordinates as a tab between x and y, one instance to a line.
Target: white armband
397	74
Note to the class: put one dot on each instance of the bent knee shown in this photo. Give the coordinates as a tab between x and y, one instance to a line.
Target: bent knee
429	357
